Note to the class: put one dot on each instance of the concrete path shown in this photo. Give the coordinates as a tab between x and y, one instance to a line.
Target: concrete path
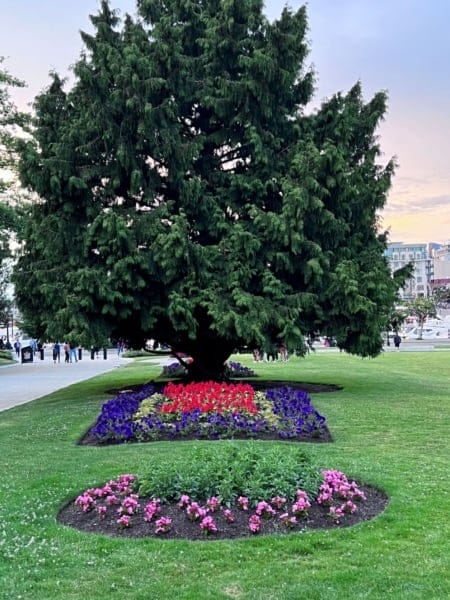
21	383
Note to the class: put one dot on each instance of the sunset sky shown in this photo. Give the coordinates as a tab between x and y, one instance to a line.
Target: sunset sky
401	46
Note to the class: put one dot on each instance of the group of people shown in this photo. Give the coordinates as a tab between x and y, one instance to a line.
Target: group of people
70	352
271	353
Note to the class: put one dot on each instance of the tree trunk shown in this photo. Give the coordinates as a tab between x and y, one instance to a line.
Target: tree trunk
208	359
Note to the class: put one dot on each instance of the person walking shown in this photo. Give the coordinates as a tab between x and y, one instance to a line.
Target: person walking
73	352
397	342
56	352
66	352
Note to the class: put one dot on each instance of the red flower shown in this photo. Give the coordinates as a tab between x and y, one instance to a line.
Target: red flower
209	396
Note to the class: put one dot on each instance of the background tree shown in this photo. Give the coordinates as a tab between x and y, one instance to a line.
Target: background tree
422	309
11	122
187	197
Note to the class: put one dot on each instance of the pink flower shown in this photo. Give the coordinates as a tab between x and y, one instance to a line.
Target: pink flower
254	524
213	503
208	526
130	505
124	521
243	502
194	511
163	524
300	508
184	501
85	501
278	501
263	509
229	517
101	510
152	509
288	521
336	513
111	499
349	507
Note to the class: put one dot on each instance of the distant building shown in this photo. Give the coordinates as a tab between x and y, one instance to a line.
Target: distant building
399	255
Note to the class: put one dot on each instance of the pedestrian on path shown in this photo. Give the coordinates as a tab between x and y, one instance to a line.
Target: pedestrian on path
56	352
66	352
397	342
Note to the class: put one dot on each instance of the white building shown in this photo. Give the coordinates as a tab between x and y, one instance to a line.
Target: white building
399	255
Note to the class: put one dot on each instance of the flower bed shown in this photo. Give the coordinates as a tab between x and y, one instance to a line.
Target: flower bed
208	411
118	510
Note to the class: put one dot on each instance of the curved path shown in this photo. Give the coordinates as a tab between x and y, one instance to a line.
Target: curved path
21	383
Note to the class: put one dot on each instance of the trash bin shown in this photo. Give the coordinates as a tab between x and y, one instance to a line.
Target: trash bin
105	353
41	352
80	353
26	354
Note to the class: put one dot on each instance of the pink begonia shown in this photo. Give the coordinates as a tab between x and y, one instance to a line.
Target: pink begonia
163	524
152	509
229	517
243	502
325	494
207	525
194	511
336	513
130	505
184	501
101	510
124	521
213	503
86	502
110	500
300	508
263	509
288	520
254	523
301	494
278	501
349	507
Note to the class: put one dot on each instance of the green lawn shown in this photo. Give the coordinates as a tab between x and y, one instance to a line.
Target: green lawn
391	429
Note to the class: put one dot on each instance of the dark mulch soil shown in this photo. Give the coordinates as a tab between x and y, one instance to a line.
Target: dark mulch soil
182	528
311	388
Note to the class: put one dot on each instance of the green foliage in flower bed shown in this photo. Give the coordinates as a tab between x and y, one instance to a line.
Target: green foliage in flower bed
259	473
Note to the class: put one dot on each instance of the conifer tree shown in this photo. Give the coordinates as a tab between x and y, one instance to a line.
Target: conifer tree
187	197
11	121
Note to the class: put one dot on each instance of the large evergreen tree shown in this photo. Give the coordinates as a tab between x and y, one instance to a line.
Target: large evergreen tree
186	196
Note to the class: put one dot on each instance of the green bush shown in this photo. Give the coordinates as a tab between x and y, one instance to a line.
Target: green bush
231	469
6	354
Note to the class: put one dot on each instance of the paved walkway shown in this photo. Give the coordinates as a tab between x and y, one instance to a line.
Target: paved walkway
21	383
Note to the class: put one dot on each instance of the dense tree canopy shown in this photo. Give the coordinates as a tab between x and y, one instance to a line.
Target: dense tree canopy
11	120
187	196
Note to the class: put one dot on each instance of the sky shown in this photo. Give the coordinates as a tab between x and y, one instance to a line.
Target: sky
401	46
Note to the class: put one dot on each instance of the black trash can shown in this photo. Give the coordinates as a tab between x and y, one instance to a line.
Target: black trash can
80	353
26	353
105	353
41	352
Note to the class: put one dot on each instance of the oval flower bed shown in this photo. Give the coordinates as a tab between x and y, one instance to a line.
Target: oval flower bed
240	491
208	411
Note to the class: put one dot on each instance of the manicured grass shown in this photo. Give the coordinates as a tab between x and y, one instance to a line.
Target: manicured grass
391	428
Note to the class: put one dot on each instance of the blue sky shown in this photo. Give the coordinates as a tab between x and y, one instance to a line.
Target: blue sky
401	46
